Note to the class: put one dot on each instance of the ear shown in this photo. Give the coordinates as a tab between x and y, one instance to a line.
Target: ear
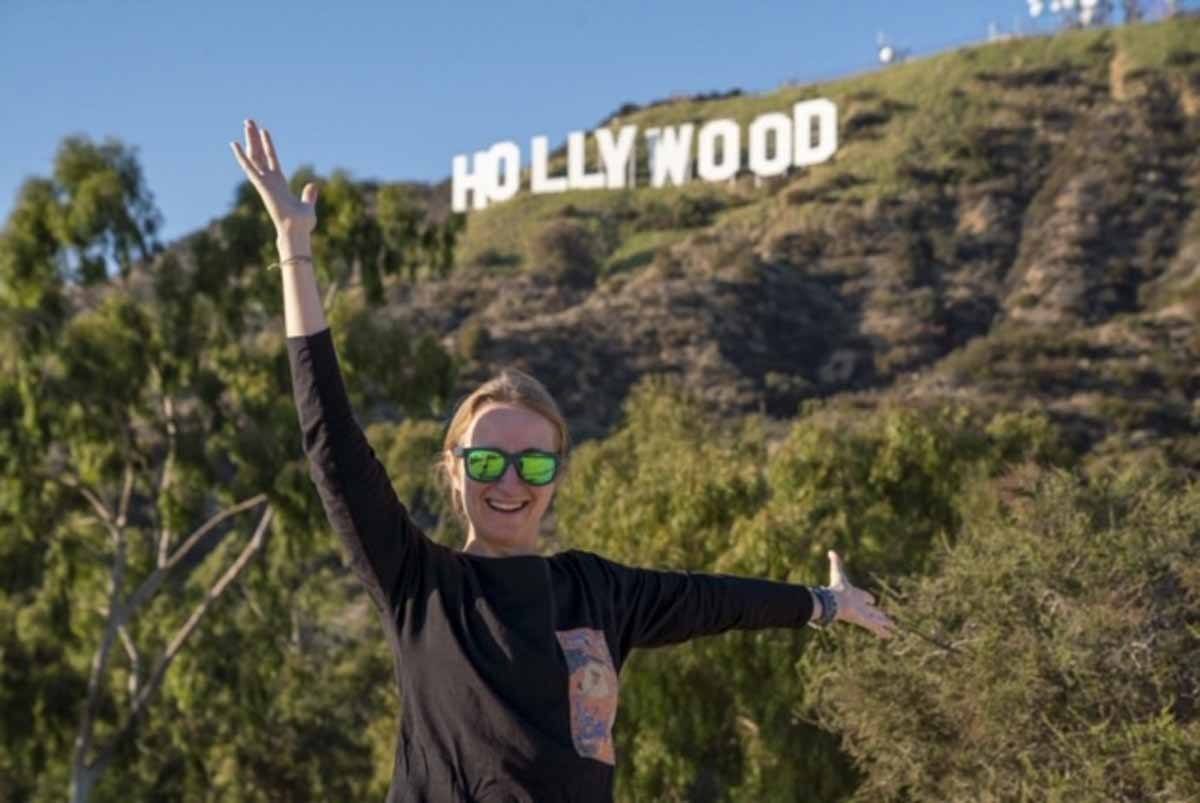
455	470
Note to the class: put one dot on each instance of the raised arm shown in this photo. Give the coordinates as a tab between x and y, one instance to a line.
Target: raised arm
386	549
294	219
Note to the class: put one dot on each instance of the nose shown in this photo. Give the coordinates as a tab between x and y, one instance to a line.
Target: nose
509	480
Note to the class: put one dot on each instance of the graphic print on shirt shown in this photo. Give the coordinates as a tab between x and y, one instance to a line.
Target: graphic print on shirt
592	688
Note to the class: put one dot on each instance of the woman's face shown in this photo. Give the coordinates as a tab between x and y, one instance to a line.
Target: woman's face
504	515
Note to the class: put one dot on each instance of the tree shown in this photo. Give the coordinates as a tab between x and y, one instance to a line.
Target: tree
726	718
149	447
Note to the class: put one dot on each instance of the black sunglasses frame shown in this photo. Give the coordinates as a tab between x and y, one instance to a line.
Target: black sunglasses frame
509	460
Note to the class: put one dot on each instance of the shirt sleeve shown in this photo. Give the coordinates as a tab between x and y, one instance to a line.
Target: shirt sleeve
655	608
386	548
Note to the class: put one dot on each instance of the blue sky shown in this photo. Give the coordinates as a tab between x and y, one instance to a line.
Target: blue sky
393	90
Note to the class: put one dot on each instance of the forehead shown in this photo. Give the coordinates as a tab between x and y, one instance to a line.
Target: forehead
512	428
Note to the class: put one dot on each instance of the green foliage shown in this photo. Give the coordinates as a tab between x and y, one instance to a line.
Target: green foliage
410	451
174	384
94	213
682	211
723	718
1056	655
884	487
384	363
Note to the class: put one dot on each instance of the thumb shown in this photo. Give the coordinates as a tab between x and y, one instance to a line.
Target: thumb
309	193
837	574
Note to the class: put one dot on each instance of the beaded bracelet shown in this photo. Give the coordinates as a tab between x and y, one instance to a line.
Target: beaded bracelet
828	607
275	265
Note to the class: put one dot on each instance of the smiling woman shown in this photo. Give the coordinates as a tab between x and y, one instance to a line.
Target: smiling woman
510	422
508	660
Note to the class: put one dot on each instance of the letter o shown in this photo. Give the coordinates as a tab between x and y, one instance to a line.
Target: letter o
771	164
707	165
505	175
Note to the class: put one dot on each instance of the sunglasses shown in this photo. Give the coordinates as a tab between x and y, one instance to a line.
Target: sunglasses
485	464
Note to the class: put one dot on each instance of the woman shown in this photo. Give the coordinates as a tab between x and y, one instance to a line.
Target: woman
507	660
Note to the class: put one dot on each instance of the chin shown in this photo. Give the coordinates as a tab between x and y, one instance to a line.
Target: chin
506	533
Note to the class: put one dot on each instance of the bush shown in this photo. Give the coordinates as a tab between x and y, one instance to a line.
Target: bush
565	250
473	339
1052	656
686	210
723	718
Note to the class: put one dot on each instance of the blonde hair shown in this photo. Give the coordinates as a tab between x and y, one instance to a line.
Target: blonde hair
510	386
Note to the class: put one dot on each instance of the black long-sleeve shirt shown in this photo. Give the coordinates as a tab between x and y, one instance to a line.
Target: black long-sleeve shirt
508	667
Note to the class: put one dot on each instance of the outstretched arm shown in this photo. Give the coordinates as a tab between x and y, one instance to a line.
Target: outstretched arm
386	548
666	607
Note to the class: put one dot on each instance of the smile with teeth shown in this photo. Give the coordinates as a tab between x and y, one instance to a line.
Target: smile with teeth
506	507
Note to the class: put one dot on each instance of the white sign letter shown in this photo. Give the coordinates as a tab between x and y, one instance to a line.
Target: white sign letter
670	152
615	155
540	182
478	182
824	112
577	176
762	163
730	136
506	170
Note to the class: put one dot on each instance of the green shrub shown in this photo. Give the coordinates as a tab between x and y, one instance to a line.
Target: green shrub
565	250
723	718
410	452
1051	656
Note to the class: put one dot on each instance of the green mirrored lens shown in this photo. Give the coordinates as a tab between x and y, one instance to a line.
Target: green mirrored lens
537	469
485	466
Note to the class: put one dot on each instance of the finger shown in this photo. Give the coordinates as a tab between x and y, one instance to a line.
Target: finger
309	193
272	159
254	145
252	172
886	624
880	625
837	575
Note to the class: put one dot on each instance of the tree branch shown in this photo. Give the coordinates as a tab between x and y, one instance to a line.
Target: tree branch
135	664
168	476
207	526
87	716
71	481
155	579
181	636
126	493
330	294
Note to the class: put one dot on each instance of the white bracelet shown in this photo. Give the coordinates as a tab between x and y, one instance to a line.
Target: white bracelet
280	264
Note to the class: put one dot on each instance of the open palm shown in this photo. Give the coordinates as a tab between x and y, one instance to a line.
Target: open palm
855	605
291	215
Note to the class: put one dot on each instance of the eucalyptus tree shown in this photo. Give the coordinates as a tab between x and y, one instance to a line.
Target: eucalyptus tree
149	449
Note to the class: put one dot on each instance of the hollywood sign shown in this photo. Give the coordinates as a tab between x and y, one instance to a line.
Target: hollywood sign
775	143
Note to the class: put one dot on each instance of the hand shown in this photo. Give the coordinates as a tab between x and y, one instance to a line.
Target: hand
855	605
291	215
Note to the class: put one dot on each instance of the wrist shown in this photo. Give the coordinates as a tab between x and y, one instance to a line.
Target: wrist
825	607
294	244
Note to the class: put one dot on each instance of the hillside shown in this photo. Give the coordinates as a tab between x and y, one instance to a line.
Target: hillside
1013	225
1016	223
